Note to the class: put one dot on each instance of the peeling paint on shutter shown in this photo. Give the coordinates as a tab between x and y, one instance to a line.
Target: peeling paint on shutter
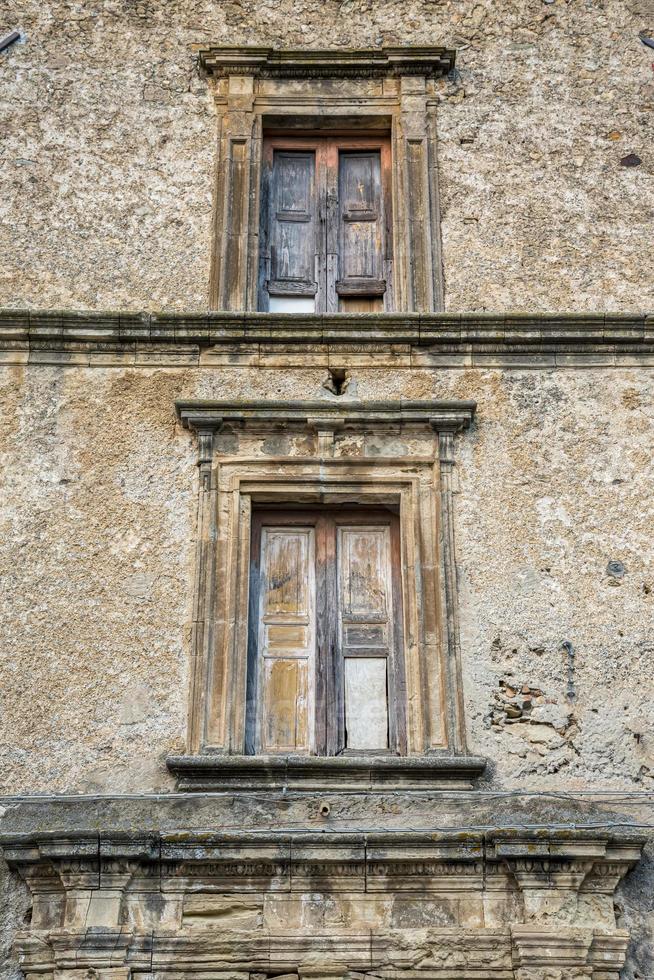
361	225
286	640
365	627
292	231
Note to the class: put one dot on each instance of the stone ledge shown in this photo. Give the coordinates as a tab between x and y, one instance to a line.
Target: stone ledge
206	773
544	848
476	336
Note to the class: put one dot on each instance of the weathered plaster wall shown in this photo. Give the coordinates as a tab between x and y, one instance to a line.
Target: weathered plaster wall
109	134
98	512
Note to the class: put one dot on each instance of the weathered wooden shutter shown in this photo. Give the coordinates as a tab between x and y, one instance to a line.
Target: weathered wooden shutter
361	225
292	230
365	634
286	640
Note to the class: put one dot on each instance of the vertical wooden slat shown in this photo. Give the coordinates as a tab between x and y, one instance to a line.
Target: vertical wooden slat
252	662
361	223
334	704
397	672
323	637
264	227
365	633
286	640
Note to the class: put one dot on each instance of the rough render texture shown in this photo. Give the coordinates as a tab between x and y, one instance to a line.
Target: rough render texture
111	129
98	523
111	138
554	482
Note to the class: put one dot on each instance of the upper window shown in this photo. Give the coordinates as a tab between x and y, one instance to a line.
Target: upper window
326	238
302	212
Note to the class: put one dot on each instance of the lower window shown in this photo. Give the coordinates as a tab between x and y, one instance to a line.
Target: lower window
325	665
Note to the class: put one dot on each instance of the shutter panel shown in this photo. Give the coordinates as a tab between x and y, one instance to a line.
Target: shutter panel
365	633
286	640
292	233
362	224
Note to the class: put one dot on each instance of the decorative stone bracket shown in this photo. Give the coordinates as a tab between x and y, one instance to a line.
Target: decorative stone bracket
499	904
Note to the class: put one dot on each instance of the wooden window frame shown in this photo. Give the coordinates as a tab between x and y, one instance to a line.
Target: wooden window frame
327	150
327	699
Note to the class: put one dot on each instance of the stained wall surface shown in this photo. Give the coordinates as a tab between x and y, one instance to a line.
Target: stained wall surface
553	527
545	162
110	135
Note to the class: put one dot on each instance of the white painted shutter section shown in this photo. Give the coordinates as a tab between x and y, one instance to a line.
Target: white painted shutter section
287	640
365	633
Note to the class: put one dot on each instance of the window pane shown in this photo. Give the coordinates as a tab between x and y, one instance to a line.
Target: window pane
366	704
292	304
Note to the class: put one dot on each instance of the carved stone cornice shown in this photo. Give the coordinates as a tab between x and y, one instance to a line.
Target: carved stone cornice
538	340
425	852
265	62
443	416
113	927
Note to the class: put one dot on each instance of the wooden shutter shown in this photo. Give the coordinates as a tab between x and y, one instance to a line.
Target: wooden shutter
362	244
365	634
291	238
325	670
286	640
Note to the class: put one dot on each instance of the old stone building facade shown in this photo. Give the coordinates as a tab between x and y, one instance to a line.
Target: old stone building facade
327	564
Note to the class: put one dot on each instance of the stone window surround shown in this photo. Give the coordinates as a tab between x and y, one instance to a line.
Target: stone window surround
258	89
421	488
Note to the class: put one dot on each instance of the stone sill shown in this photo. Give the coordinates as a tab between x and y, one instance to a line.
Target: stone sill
207	773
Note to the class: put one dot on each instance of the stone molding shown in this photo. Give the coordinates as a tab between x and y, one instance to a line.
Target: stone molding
190	902
443	416
265	62
78	338
206	773
260	90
